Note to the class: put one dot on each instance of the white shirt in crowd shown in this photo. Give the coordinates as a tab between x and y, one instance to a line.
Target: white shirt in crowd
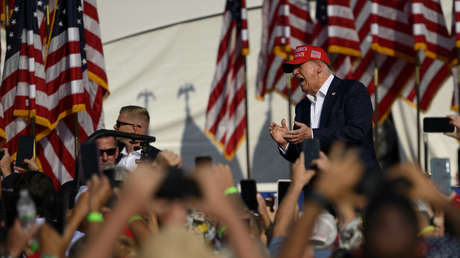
128	161
316	106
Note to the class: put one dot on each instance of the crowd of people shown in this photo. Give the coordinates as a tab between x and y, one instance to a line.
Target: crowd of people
153	208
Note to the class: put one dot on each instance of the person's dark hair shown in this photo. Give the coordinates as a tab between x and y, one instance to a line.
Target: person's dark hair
41	190
202	160
386	199
341	253
98	135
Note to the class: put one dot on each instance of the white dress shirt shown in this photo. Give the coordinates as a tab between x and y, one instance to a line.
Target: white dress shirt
128	161
316	106
317	101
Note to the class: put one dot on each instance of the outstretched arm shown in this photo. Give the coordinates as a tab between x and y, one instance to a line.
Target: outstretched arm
332	184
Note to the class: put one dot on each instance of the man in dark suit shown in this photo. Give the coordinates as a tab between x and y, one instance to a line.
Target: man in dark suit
334	109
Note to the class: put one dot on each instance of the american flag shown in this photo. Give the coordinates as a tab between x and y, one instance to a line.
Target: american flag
340	62
225	114
391	28
299	25
57	151
342	34
23	73
394	73
435	47
96	85
68	87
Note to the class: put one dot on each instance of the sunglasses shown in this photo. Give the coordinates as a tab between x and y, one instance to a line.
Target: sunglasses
109	152
120	123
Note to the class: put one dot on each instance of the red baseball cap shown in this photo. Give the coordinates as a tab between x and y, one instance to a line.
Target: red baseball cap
304	54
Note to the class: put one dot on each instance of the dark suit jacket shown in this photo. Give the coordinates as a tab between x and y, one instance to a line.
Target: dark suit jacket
346	115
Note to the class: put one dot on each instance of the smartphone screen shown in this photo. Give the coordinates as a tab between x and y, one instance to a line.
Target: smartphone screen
249	194
25	150
440	174
282	188
311	151
89	160
437	125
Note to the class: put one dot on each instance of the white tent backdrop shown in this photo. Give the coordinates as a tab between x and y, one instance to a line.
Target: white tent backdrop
182	56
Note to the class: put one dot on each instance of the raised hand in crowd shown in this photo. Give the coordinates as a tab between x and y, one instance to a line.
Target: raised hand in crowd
5	163
18	239
265	212
423	188
167	159
340	178
278	133
31	165
454	120
99	192
287	211
322	163
137	193
216	204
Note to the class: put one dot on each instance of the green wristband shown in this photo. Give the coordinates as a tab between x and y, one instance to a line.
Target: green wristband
221	231
134	218
95	216
231	190
34	246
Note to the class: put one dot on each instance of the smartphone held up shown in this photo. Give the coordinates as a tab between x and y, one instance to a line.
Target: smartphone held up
437	125
311	152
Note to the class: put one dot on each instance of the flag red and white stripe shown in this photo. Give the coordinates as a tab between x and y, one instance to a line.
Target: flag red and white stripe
23	73
394	73
342	34
435	48
297	29
430	30
225	114
433	73
391	28
56	152
67	76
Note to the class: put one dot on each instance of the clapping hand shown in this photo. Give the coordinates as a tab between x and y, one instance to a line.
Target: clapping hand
278	133
300	134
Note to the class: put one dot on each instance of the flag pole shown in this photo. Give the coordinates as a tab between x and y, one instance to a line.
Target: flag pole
77	142
247	117
417	89
288	86
7	13
376	104
34	153
457	52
